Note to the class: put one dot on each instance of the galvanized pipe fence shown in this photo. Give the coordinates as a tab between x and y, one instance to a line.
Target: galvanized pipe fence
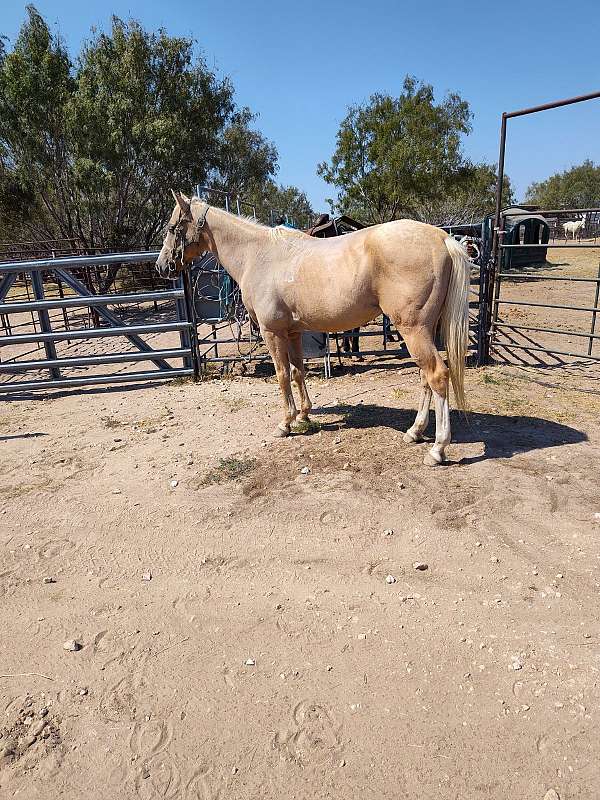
492	274
65	370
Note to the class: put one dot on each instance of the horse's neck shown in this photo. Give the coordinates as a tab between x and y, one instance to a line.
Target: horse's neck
236	241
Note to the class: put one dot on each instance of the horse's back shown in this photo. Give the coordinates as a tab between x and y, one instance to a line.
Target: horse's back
350	276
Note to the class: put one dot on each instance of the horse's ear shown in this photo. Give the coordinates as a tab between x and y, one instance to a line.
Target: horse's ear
182	201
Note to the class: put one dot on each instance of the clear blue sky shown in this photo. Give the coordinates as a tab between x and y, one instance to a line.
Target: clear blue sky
299	65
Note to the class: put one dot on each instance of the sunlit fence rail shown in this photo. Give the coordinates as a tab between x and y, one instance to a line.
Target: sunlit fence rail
47	331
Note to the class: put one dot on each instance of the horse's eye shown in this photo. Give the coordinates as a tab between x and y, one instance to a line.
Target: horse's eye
171	229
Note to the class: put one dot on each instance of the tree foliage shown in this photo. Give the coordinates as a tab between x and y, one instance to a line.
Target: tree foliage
245	158
88	151
402	156
273	200
467	199
578	187
35	84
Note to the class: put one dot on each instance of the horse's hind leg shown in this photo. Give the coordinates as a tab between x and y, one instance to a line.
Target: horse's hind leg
415	432
433	370
442	430
277	344
298	373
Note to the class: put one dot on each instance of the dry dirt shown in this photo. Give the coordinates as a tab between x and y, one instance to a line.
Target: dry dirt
267	656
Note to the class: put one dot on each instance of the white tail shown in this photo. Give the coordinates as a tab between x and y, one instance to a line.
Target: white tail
455	318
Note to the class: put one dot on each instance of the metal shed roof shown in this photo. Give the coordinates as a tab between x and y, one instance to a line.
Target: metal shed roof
512	217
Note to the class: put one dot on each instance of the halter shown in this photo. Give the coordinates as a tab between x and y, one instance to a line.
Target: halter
182	240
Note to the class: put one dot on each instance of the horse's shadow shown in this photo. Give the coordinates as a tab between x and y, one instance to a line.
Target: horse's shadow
503	436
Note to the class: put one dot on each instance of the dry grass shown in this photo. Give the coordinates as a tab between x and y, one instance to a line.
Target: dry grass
307	426
234	404
111	422
228	469
183	380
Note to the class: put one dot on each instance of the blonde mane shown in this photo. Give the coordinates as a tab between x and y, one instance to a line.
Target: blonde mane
291	237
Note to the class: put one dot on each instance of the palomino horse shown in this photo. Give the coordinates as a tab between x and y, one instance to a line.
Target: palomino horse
290	282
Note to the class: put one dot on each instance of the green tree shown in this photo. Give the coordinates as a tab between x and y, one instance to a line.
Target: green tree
35	86
245	159
468	198
93	148
578	187
272	200
402	156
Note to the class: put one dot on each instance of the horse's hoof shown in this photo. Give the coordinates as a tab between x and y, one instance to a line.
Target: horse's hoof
281	433
411	438
431	461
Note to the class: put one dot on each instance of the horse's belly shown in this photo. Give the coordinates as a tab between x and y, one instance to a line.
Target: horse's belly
332	318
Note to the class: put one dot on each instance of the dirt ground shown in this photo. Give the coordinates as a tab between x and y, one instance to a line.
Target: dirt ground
239	638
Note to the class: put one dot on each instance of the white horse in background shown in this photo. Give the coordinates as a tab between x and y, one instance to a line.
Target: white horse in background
575	228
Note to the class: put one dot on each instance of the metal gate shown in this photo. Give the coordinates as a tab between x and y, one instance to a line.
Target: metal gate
496	272
26	321
532	334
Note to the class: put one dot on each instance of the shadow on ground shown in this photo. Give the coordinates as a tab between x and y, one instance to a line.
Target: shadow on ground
10	436
503	436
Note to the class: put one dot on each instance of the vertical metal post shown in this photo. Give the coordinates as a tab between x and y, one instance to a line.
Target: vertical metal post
61	294
33	320
327	357
184	334
44	318
496	293
482	348
237	204
488	271
191	317
184	314
594	314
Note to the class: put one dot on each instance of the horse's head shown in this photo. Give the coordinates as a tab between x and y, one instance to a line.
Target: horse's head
186	236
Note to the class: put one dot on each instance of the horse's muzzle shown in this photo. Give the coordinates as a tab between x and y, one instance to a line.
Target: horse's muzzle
166	270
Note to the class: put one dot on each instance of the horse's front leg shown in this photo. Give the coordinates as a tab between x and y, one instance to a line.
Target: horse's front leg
278	343
298	372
